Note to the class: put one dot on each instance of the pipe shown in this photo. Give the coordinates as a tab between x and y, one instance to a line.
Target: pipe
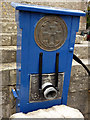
49	91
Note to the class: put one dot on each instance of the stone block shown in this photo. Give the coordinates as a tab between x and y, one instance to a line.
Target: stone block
12	100
86	116
0	77
9	27
7	10
82	51
82	25
8	55
80	38
5	95
57	112
7	19
0	97
8	101
5	77
0	56
12	77
88	83
79	100
8	39
0	40
6	111
7	66
8	77
14	40
89	95
0	112
88	106
79	71
78	84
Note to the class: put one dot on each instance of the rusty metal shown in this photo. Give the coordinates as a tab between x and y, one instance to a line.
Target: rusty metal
50	33
34	95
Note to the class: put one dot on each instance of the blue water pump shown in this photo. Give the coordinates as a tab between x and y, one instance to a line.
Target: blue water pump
45	45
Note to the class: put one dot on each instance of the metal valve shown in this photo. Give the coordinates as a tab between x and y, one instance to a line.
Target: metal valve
49	91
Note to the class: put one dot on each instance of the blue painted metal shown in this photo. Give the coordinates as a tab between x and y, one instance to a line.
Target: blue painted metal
14	93
50	10
71	49
27	17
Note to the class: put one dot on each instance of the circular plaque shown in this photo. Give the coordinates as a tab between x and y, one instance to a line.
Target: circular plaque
50	33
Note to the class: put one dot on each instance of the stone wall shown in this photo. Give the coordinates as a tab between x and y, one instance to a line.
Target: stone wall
78	90
8	37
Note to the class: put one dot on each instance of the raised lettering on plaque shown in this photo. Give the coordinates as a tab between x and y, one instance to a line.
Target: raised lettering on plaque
50	33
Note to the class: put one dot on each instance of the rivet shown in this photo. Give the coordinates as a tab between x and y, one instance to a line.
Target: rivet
71	49
19	69
18	105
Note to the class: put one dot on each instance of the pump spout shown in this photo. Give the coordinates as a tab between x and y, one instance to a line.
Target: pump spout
49	91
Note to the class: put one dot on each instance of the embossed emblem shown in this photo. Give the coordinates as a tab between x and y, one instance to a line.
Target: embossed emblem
50	33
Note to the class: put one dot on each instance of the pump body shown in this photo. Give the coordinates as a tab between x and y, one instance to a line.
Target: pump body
51	32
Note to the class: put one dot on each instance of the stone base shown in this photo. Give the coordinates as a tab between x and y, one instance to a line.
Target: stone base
60	111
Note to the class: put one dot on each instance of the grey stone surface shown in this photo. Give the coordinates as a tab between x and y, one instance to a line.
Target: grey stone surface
7	19
6	111
8	55
0	111
79	71
9	27
0	56
89	83
8	101
14	40
79	100
80	38
8	39
89	95
0	97
12	77
78	84
89	106
7	10
82	50
78	89
8	77
12	99
7	66
5	95
0	40
5	77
